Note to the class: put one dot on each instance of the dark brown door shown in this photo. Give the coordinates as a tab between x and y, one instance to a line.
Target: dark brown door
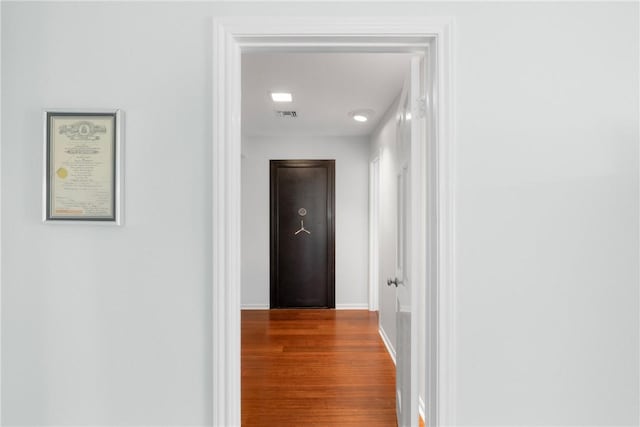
302	233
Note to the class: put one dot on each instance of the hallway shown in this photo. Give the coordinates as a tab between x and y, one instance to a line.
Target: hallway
315	368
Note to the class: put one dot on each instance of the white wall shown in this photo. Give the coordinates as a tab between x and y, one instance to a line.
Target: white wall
547	214
114	328
352	196
108	325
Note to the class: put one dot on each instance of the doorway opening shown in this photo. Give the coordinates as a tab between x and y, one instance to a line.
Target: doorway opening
324	90
233	37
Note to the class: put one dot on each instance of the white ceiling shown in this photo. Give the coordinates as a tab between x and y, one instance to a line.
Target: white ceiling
325	87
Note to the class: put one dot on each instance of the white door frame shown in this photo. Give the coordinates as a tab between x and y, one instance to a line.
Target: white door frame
429	35
374	214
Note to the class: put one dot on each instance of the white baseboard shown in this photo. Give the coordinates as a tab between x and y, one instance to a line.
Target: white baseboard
254	307
352	306
387	343
392	353
338	307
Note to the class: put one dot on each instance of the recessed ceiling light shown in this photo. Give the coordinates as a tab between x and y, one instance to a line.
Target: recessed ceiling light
361	115
281	97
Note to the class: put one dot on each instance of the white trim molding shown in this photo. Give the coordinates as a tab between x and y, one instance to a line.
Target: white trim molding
374	233
255	307
234	35
387	343
363	306
1	275
226	229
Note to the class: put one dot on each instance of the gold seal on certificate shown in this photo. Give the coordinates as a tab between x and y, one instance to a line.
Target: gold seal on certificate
81	177
62	173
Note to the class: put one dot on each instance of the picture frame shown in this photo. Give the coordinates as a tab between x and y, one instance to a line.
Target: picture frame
82	166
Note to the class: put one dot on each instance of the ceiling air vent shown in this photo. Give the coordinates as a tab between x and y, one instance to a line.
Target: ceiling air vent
285	114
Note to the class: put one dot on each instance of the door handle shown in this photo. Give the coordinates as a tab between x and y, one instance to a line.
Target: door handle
394	282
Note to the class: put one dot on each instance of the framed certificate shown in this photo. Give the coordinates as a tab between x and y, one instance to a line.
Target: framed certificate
82	166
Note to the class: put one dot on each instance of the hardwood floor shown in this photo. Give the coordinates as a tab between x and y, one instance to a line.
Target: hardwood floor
315	368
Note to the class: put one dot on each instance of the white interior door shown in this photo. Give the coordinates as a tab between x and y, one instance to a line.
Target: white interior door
407	280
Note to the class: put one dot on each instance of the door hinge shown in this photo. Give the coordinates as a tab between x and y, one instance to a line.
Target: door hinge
422	107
